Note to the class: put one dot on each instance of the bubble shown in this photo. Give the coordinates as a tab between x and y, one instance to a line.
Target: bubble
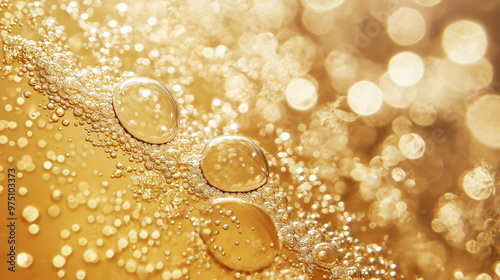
406	26
406	69
318	22
324	5
66	250
449	214
412	146
365	98
58	261
236	87
478	183
146	109
398	174
24	259
483	120
33	229
325	255
401	125
428	3
90	256
226	156
423	114
300	53
30	213
301	94
342	67
483	276
248	242
395	95
465	41
81	274
176	274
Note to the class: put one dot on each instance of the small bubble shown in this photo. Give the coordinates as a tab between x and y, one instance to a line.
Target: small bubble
24	259
412	146
30	213
325	255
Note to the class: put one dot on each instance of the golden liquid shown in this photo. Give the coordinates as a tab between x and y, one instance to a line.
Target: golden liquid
379	165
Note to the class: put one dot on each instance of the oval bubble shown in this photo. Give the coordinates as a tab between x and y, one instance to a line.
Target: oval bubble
146	109
234	164
239	235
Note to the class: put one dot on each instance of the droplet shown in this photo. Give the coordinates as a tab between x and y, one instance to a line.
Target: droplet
24	259
226	156
478	183
246	245
146	109
412	146
465	41
325	255
365	98
483	120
